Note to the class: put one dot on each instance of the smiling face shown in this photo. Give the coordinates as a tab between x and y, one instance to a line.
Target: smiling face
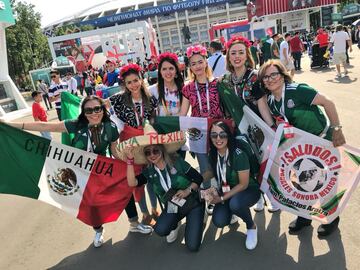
218	138
168	72
198	65
133	84
94	112
237	55
273	80
153	154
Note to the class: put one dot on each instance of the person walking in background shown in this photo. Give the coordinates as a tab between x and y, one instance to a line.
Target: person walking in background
338	42
44	90
39	112
275	50
285	57
57	86
323	39
72	83
217	59
296	48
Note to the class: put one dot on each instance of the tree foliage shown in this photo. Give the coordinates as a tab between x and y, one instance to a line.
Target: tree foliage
27	46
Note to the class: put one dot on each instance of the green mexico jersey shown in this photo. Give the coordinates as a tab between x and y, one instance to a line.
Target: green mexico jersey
240	162
176	173
108	134
298	108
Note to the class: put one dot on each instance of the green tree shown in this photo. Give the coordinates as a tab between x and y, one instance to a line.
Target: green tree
27	46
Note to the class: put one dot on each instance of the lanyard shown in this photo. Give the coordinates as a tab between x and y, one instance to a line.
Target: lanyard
90	144
207	97
221	168
139	118
282	108
166	185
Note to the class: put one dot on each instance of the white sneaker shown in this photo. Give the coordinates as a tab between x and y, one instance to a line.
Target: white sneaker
271	206
251	239
259	206
140	228
234	219
210	209
99	238
172	235
338	75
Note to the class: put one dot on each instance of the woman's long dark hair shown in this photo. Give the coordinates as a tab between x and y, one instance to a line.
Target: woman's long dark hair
230	145
82	120
179	80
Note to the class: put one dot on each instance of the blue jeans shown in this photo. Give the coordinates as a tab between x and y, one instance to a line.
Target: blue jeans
193	229
152	197
204	165
239	205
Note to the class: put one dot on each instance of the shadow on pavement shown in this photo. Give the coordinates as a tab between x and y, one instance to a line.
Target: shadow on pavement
221	249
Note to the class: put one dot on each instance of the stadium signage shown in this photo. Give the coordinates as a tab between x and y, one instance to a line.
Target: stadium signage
152	11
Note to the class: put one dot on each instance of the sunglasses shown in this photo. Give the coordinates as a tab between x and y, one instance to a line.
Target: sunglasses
53	76
221	135
153	151
95	109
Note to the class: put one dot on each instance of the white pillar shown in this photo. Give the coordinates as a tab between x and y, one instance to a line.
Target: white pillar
4	69
159	33
228	11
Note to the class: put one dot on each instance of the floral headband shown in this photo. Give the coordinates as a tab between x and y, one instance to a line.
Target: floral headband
168	55
129	67
239	39
197	49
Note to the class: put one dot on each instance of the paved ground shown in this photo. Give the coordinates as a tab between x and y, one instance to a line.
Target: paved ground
34	235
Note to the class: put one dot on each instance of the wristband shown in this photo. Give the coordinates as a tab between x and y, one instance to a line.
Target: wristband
222	199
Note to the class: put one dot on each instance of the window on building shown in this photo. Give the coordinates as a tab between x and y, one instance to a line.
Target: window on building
204	33
194	33
165	41
164	2
146	5
110	12
94	16
129	8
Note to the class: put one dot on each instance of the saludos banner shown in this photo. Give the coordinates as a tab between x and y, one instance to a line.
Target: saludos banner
311	178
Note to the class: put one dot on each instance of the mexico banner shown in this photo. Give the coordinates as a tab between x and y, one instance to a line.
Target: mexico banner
91	187
309	177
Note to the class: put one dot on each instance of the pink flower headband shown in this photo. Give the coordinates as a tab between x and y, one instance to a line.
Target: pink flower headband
168	55
239	39
129	67
198	49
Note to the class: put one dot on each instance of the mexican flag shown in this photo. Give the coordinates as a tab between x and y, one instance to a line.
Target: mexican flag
197	130
70	109
90	187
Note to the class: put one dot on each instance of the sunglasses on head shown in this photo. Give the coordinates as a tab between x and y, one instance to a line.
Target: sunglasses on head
95	109
151	151
221	135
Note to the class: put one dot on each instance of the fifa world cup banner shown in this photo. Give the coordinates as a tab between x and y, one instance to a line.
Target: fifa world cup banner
309	177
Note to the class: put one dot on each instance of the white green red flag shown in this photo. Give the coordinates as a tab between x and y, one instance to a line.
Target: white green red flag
90	187
309	177
196	130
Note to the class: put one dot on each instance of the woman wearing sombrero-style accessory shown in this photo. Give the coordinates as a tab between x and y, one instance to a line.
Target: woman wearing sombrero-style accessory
132	108
174	181
241	84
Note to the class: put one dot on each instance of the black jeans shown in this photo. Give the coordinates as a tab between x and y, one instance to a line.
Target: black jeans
47	101
58	111
297	60
322	60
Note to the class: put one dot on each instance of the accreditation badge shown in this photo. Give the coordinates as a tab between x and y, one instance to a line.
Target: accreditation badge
288	131
171	208
225	188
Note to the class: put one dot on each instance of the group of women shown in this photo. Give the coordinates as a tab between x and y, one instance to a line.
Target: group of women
167	175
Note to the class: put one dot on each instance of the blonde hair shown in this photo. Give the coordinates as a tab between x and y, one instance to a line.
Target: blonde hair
279	66
249	59
169	159
208	71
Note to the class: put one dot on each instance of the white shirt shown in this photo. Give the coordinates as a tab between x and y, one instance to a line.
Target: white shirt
220	68
284	45
172	102
339	40
72	85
